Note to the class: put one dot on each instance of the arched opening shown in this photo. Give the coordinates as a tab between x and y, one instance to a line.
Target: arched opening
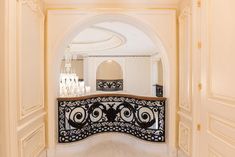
109	76
125	44
71	33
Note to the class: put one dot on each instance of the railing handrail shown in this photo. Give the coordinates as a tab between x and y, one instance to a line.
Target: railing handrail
111	95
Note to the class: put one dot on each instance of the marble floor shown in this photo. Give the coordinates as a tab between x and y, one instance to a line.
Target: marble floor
112	145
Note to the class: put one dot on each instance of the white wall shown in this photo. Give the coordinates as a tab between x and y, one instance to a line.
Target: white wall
136	73
156	72
138	76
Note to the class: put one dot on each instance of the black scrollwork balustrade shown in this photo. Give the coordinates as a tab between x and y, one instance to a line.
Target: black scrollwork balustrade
109	85
141	117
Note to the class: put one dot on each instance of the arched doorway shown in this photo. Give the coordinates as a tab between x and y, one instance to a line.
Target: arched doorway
71	32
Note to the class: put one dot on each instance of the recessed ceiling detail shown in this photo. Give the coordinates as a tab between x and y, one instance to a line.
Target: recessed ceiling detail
96	39
112	38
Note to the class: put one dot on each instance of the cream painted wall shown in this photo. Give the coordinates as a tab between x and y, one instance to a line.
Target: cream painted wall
3	82
217	118
207	95
22	67
109	70
160	25
136	73
185	124
30	78
183	4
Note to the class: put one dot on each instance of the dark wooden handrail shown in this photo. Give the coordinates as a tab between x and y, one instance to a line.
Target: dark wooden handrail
109	94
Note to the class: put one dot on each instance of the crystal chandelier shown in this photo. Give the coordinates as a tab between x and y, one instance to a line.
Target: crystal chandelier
70	86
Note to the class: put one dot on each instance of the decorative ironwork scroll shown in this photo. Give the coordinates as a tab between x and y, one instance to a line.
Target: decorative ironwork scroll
142	117
109	85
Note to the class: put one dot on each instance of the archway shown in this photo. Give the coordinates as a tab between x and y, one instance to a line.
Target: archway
62	43
109	76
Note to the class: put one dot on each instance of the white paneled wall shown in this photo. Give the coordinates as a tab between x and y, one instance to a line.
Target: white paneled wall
24	70
185	84
206	93
30	74
217	109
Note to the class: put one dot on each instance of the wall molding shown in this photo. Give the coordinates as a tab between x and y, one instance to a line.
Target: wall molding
25	110
185	115
35	139
220	132
186	57
33	4
222	98
185	138
213	152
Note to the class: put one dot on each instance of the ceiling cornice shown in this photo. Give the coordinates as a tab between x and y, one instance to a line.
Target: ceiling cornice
110	7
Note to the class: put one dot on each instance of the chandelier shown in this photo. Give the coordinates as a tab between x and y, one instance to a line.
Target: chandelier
70	86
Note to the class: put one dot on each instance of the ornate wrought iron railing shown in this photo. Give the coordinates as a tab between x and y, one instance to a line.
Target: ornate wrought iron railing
109	85
142	117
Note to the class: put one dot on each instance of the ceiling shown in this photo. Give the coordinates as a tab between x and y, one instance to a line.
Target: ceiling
155	2
112	38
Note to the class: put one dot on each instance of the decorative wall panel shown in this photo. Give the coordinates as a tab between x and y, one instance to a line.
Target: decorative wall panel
185	60
30	56
219	39
222	129
213	153
185	138
141	117
185	84
218	93
33	143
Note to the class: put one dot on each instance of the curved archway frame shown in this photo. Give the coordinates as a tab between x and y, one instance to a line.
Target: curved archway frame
55	53
101	60
114	63
116	78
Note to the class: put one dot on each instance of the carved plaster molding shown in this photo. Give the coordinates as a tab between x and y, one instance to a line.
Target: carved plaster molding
185	12
33	4
184	138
